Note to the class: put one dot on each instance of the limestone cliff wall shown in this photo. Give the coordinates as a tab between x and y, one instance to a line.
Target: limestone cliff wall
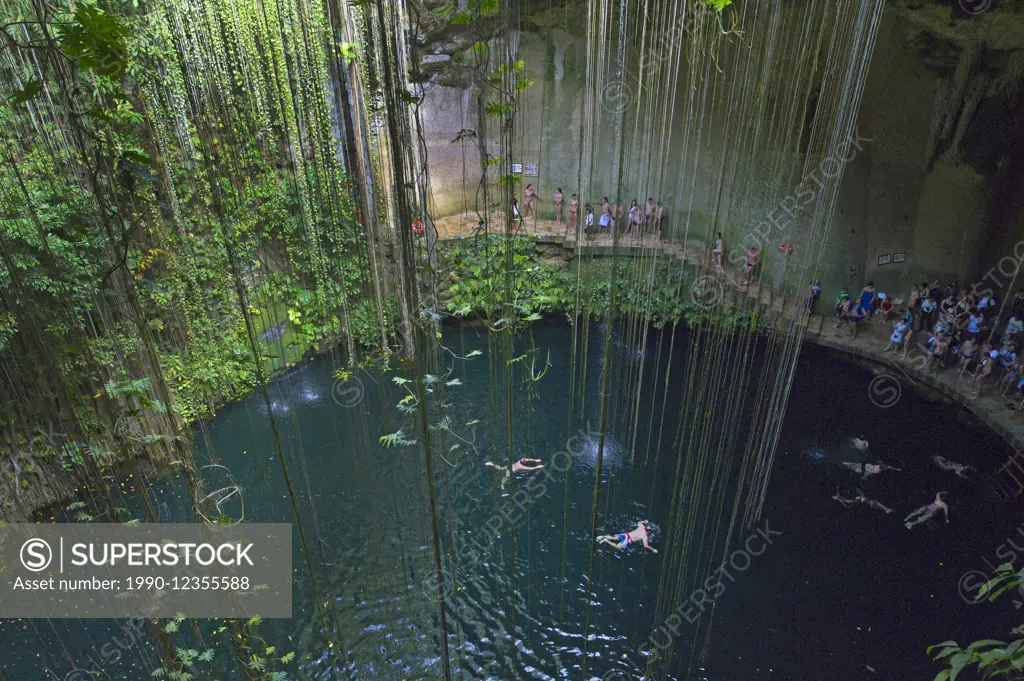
940	180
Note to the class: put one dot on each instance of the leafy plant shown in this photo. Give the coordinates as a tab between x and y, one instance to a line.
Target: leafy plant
992	658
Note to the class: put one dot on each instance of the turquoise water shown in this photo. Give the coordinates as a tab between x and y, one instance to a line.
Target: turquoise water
834	592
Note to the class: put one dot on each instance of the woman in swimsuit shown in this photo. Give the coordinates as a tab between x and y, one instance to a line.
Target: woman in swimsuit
634	215
574	207
530	194
926	512
717	250
558	205
520	465
623	539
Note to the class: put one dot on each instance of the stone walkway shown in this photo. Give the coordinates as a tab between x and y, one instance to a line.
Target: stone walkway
894	375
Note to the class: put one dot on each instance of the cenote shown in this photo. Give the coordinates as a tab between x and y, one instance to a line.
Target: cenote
813	591
569	339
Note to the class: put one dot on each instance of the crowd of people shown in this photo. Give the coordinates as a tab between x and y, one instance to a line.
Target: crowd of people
636	218
962	330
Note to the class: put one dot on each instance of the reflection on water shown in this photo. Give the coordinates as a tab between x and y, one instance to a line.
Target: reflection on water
517	583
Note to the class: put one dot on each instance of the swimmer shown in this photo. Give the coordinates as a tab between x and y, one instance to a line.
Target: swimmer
861	499
558	205
520	465
926	512
621	541
574	208
866	469
947	465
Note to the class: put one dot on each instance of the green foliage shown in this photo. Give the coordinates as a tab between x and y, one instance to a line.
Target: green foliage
484	285
992	658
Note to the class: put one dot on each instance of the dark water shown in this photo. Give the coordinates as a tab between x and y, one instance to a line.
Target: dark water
838	591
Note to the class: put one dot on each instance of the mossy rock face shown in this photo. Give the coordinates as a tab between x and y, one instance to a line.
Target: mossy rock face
570	17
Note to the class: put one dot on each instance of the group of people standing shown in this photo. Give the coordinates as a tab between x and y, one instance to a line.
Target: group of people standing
648	217
954	328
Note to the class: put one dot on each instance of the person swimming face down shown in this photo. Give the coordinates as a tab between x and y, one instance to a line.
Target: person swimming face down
624	539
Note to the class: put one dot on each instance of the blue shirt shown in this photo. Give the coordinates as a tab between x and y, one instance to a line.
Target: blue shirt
974	326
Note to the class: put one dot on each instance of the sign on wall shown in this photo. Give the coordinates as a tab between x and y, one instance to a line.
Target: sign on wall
885	259
517	167
899	257
531	170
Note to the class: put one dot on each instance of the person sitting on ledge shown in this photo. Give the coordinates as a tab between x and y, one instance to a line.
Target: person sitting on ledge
885	308
623	539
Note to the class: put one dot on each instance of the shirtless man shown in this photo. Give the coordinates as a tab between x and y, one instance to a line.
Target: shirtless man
751	265
574	207
947	465
861	499
926	512
648	212
937	353
558	205
659	214
530	195
623	539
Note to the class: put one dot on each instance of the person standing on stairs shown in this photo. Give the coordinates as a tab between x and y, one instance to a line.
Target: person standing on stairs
717	250
813	293
750	266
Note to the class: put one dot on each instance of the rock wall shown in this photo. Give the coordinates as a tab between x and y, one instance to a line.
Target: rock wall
943	112
937	184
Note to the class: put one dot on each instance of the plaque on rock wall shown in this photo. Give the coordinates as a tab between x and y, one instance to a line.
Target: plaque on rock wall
517	167
899	257
531	170
885	259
